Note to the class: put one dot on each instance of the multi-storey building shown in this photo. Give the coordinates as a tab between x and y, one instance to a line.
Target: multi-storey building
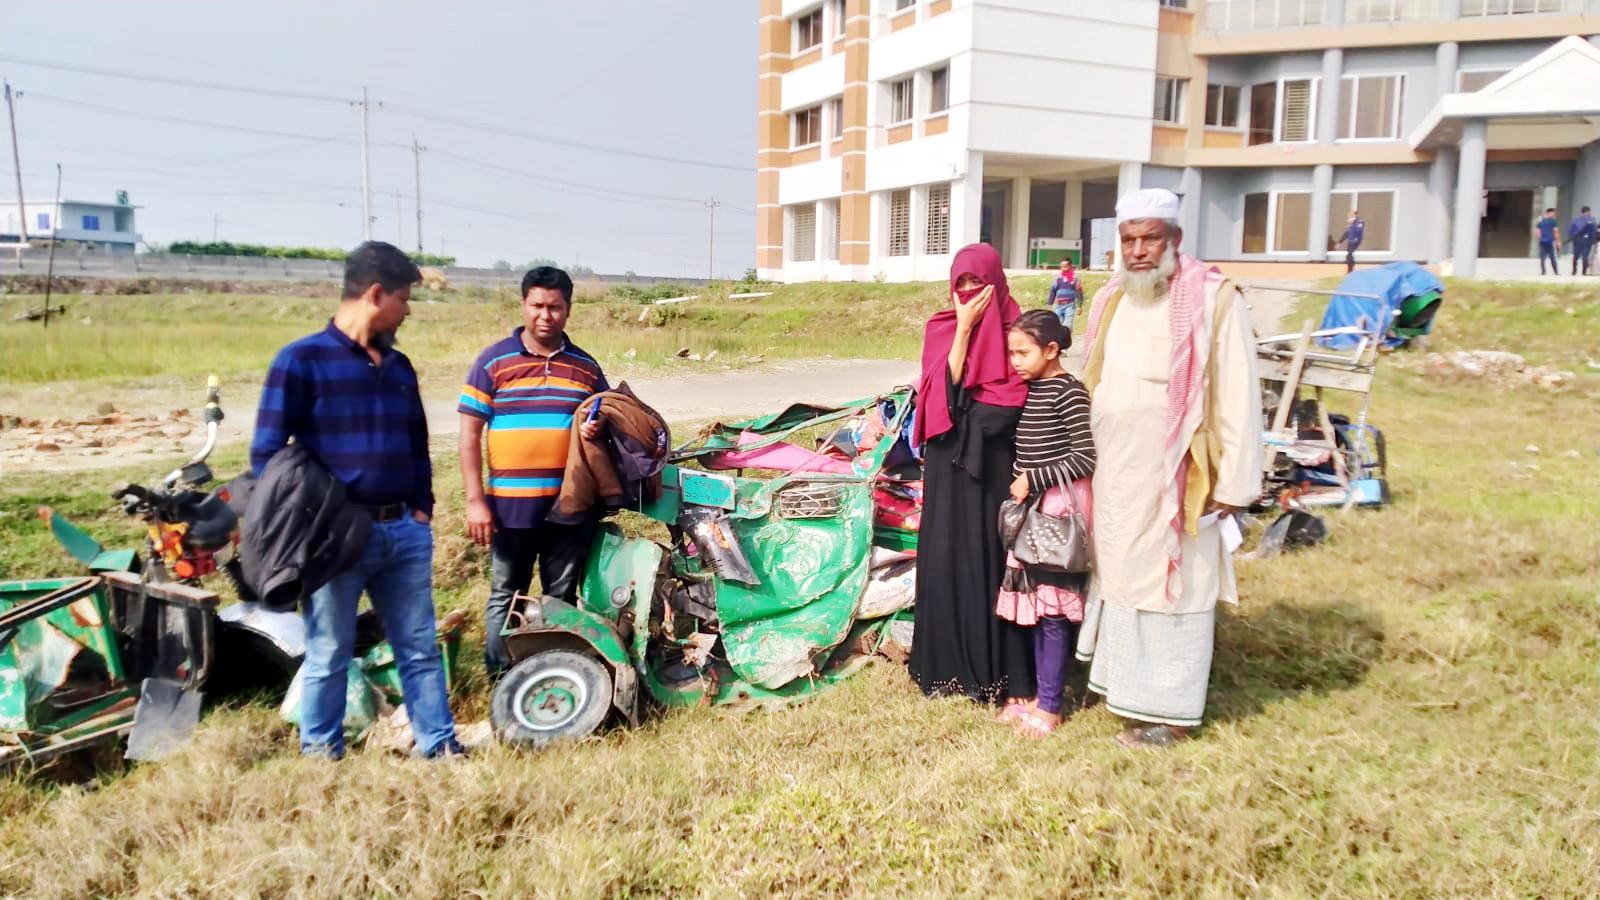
894	131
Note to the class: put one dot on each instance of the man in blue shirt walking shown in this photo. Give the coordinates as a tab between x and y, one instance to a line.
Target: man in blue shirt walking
1581	233
1354	230
1549	232
349	397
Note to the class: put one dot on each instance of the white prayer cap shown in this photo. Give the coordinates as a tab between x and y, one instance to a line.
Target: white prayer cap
1150	203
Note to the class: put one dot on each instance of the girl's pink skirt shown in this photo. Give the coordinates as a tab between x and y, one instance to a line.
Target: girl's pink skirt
1022	599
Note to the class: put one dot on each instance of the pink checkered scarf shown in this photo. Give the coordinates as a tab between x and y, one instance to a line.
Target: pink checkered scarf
1186	387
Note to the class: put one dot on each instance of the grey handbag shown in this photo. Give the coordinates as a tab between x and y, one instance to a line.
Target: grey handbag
1044	541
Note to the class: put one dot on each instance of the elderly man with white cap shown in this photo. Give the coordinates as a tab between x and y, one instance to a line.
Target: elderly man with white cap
1176	417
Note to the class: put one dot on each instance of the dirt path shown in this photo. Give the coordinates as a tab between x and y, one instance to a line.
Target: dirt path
75	427
148	424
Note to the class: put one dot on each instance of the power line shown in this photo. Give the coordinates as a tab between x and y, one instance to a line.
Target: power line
167	79
197	123
558	141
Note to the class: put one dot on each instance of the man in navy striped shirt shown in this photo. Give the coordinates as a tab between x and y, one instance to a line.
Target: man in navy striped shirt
349	397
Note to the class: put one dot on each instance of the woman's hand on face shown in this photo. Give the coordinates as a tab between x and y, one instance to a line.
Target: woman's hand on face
1019	488
967	314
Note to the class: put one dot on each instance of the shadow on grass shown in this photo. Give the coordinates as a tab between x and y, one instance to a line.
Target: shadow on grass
1286	651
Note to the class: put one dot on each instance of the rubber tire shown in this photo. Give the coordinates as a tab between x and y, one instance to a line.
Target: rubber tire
580	671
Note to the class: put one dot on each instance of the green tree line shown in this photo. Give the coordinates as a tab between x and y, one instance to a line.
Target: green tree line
228	248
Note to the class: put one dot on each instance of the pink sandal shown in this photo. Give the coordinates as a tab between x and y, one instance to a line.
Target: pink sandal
1013	708
1033	725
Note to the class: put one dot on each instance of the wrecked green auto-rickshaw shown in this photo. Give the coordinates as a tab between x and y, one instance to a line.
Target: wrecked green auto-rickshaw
784	574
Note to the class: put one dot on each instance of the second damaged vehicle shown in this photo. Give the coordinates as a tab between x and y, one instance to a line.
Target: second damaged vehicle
787	567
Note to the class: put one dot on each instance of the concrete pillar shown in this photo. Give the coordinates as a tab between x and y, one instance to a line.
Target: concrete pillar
1586	180
1446	60
1072	210
1327	125
1321	200
1189	217
1333	12
1469	195
1017	222
919	221
966	204
1129	178
1441	190
1449	9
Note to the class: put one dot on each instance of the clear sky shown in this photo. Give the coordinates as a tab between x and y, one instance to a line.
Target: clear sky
664	78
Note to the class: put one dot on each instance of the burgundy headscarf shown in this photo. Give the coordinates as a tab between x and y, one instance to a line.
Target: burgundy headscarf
988	375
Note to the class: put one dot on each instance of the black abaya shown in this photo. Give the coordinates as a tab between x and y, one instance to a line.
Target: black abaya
961	646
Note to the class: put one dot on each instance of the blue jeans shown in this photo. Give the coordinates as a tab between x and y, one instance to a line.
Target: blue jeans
1547	250
1066	312
1580	255
396	571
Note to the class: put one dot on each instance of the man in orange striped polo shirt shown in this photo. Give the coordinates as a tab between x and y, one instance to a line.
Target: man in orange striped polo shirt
522	392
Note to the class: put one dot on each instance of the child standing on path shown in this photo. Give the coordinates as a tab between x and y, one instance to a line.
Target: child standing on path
1054	449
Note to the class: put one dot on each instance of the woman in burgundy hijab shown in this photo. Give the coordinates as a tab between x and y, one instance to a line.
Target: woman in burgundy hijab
968	401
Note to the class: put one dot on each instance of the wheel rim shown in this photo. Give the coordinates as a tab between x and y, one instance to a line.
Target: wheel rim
550	700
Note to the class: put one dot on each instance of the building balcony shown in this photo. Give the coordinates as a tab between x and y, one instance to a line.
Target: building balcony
1255	15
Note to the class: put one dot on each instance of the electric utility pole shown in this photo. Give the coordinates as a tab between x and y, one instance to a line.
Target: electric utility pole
366	193
416	158
711	238
16	158
399	223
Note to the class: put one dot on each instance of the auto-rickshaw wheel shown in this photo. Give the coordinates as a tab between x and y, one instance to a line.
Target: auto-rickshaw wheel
553	695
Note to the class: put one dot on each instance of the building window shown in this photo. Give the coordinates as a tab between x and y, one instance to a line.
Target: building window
1238	15
938	220
1510	7
91	223
1369	107
899	223
1377	211
1170	93
900	101
903	5
1471	81
1297	109
1176	4
808	31
1291	222
838	18
1391	10
803	243
1255	223
44	222
939	90
1222	105
836	112
807	127
1263	112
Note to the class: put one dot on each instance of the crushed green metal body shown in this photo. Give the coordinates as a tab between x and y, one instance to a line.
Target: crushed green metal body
766	618
74	652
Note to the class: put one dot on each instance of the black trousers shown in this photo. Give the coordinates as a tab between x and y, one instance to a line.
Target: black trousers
559	550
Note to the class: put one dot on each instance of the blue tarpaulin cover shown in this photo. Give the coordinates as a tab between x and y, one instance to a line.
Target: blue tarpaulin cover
1393	282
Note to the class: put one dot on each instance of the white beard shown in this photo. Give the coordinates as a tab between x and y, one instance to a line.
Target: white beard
1150	285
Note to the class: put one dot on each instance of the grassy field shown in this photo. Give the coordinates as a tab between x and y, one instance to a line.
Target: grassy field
126	338
1406	710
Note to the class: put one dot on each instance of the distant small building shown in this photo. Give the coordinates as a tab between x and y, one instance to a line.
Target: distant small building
106	225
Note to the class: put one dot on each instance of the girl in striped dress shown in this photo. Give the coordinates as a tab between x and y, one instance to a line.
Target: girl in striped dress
1054	450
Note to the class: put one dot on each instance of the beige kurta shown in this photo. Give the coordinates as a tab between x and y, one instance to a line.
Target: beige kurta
1128	419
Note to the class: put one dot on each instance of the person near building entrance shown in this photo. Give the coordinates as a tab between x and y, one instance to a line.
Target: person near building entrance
522	392
1175	412
1549	232
1066	292
1581	234
1354	230
347	396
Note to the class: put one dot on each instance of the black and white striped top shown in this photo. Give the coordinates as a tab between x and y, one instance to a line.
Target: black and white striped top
1054	445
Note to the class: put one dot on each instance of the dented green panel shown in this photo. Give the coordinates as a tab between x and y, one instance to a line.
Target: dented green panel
618	568
812	574
558	615
36	661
